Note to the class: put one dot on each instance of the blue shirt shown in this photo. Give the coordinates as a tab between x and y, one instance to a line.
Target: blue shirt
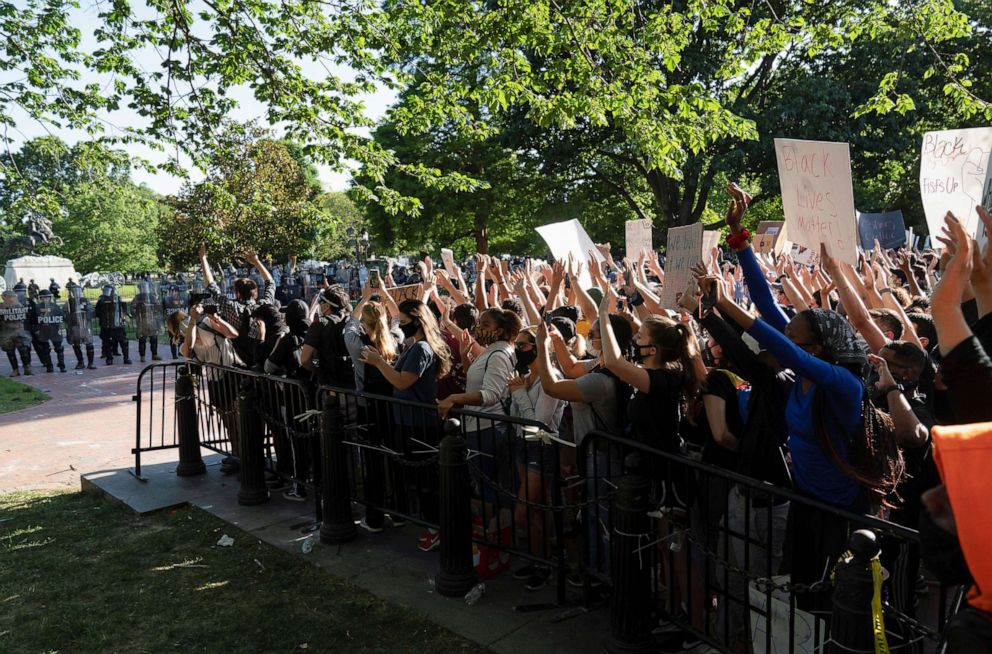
418	358
812	470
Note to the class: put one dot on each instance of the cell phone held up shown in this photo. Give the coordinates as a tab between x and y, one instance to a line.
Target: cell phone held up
210	309
374	280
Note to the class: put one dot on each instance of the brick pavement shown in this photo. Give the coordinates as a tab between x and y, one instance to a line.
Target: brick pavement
86	425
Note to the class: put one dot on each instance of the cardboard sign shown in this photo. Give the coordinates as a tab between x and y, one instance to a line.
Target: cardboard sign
770	237
408	292
448	260
956	176
818	196
638	234
888	227
711	239
569	237
685	249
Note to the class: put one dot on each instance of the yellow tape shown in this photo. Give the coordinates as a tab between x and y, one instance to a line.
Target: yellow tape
877	620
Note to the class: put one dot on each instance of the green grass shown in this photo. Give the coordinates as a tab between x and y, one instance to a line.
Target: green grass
15	396
78	574
126	292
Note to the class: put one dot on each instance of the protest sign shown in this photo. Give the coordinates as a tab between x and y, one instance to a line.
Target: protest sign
685	249
956	176
448	260
818	196
711	239
569	237
773	620
909	237
638	234
770	236
888	227
408	292
802	255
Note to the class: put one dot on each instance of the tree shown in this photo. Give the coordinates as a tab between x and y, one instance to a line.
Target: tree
255	195
668	83
103	219
340	214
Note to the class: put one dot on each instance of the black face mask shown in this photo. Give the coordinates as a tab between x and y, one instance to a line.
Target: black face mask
524	359
639	355
409	329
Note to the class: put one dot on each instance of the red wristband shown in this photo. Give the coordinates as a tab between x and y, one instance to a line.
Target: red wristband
738	241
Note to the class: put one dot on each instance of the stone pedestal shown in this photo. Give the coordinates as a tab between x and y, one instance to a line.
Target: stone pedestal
41	270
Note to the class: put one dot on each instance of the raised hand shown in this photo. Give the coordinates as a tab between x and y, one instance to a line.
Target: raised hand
957	272
739	203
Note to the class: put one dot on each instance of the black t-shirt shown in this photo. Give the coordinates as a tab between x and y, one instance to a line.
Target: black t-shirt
653	417
326	336
719	384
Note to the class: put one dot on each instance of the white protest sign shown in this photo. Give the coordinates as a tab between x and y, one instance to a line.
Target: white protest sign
685	249
818	196
956	176
638	234
448	260
569	237
775	619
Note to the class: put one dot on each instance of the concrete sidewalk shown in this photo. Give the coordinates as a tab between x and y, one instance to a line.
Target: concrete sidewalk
87	424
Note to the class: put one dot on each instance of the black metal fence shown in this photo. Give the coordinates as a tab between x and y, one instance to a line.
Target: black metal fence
674	543
701	547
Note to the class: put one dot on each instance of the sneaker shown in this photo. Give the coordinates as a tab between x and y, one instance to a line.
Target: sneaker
429	541
80	365
367	527
15	373
682	641
396	520
49	368
91	367
539	579
667	627
61	368
524	573
296	495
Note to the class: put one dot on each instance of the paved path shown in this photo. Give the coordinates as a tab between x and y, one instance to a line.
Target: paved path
87	425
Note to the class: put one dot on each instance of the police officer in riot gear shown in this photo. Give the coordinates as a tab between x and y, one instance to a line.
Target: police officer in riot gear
33	290
54	288
78	316
145	312
47	327
14	338
110	311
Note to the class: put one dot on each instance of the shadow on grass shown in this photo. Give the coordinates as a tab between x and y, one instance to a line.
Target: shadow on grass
15	396
78	574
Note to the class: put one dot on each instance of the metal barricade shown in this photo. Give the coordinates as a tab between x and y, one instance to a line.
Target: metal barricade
706	544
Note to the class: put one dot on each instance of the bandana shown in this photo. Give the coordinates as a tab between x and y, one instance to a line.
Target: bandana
842	343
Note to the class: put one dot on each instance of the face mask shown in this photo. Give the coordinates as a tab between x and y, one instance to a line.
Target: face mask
409	329
639	355
524	359
486	337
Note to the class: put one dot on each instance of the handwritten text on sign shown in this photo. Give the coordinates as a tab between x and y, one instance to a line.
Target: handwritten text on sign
955	176
818	195
888	227
685	249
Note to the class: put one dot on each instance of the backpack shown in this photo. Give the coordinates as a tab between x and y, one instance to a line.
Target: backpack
336	366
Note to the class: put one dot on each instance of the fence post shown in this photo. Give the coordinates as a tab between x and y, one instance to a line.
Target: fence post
190	460
457	574
851	623
337	525
252	469
632	568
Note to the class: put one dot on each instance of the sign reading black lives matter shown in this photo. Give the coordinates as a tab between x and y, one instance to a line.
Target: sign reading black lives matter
818	196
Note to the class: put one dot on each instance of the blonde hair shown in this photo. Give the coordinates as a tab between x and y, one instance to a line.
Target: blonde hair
376	325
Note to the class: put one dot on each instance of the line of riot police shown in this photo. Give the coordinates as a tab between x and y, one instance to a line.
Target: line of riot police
44	324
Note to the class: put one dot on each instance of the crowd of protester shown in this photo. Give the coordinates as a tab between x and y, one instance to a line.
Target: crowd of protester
840	382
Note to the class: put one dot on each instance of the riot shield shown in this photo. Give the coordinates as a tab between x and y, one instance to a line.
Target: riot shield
174	299
48	318
146	310
108	309
78	317
13	316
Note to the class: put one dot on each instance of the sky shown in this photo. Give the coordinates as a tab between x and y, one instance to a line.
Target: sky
163	183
